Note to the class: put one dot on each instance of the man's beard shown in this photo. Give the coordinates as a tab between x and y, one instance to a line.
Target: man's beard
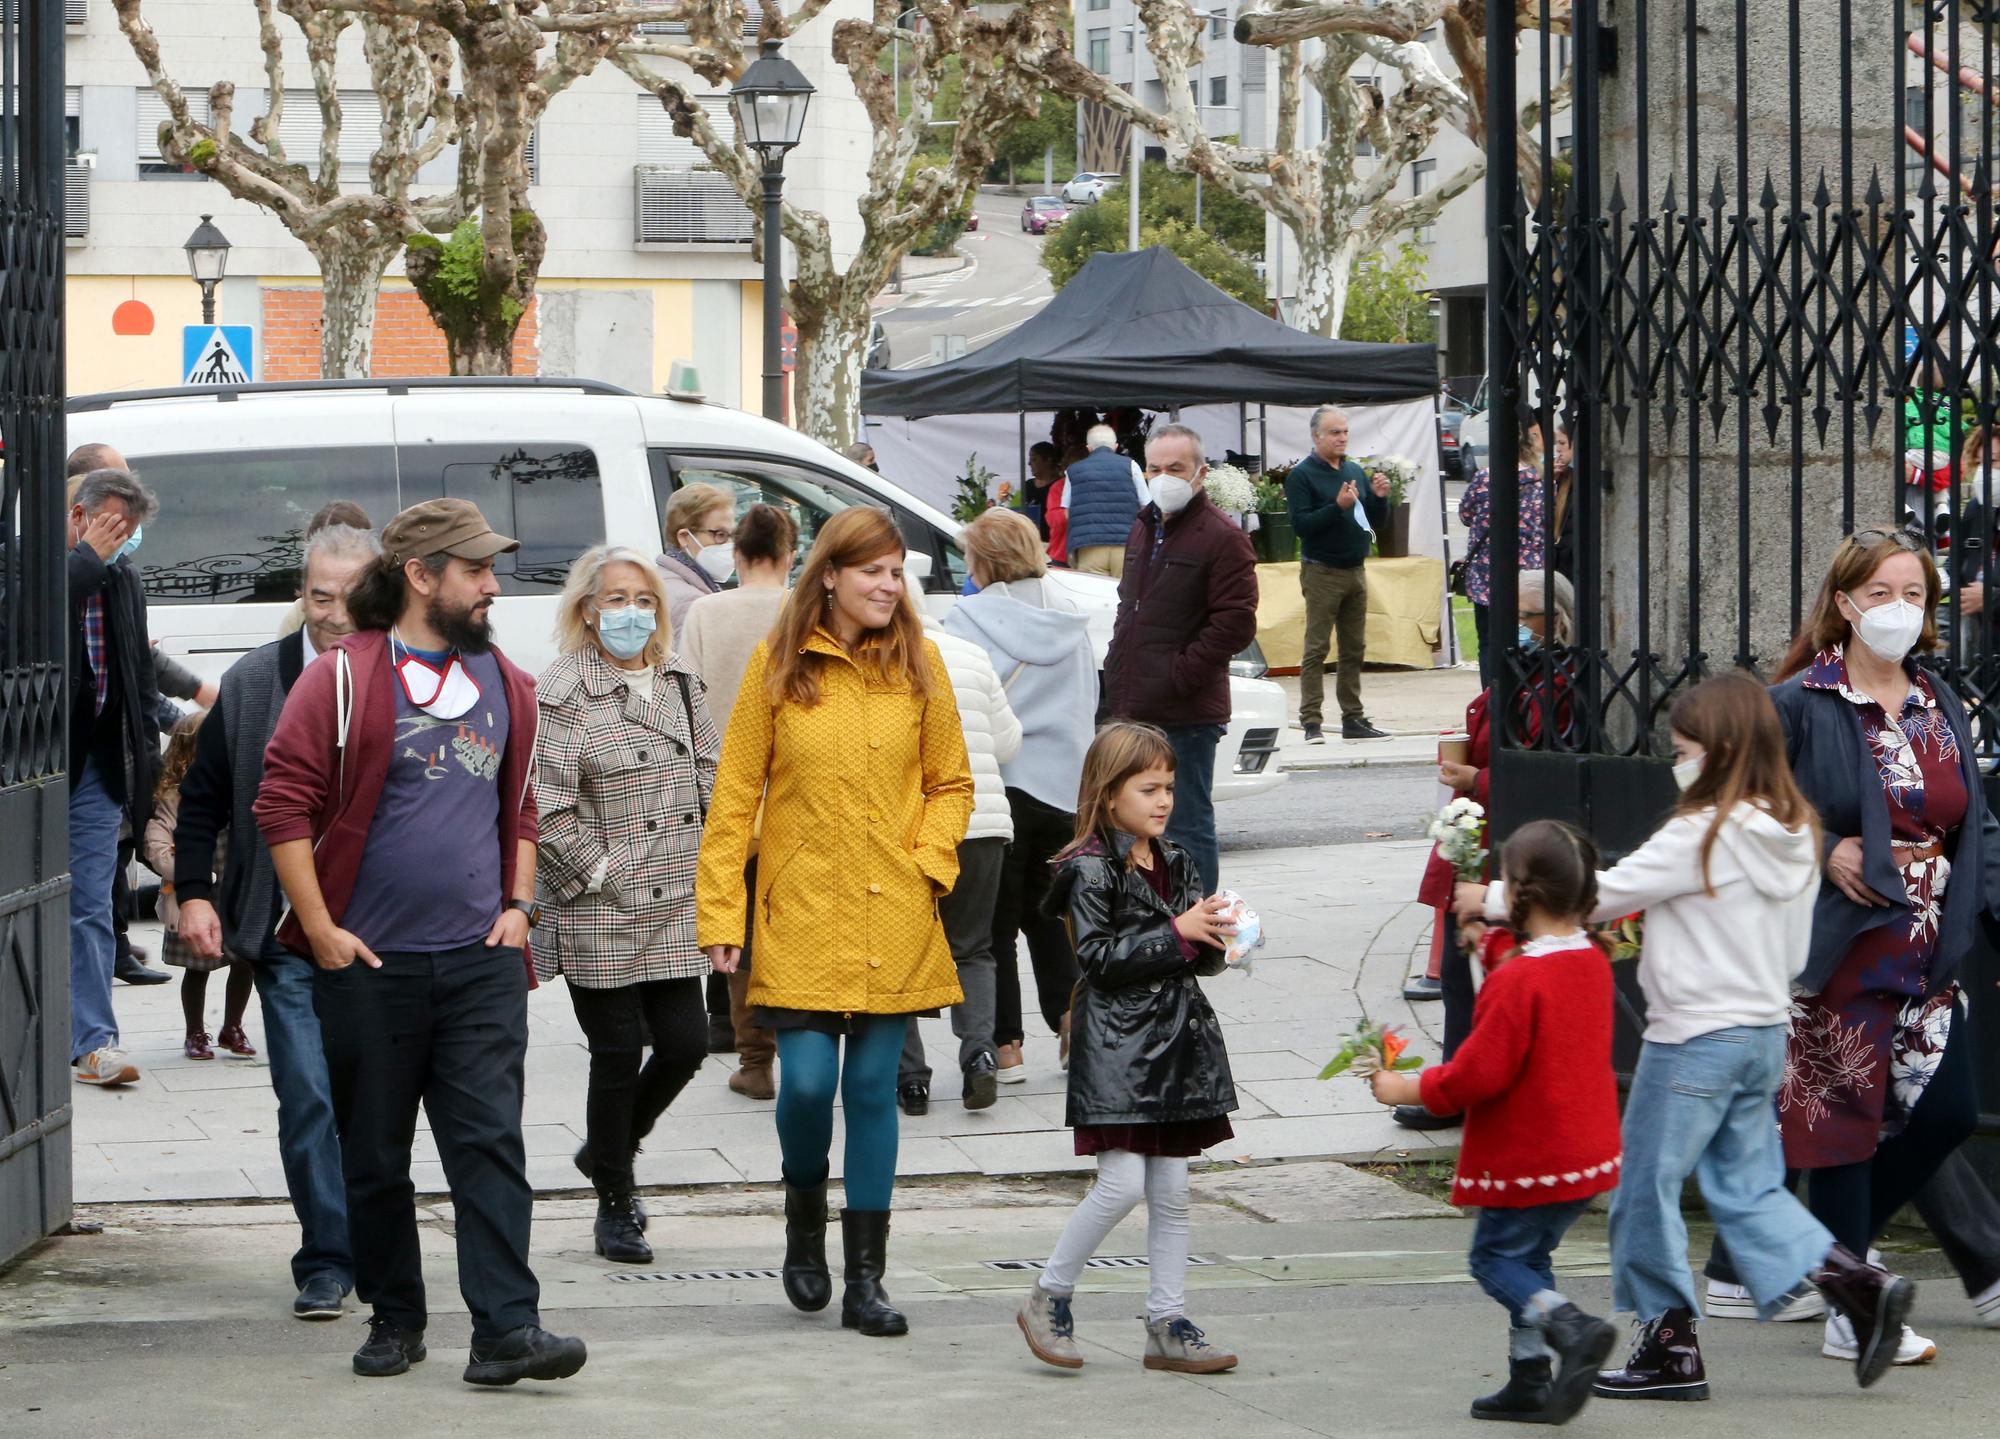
468	631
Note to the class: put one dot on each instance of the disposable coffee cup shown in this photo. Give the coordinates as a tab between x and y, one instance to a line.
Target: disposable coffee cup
1455	749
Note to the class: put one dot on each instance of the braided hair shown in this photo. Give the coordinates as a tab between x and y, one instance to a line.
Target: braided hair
1551	867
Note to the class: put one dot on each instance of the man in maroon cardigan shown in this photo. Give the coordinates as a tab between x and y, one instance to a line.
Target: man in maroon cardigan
399	807
1187	604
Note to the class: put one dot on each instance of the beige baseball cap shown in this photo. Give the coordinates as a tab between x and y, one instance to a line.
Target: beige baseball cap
443	527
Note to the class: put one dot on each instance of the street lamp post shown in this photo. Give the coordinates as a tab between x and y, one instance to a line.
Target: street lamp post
208	260
770	103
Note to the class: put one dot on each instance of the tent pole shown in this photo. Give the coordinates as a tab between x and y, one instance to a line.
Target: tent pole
1243	426
1021	484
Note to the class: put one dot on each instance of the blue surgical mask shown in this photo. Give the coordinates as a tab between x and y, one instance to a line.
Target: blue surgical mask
131	545
1527	639
626	632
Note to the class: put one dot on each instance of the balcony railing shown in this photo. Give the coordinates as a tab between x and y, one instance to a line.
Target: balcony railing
76	200
678	205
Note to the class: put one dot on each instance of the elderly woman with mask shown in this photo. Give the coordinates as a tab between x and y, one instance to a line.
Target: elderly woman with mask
700	533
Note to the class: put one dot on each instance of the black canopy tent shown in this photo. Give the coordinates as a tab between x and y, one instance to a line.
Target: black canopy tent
1143	330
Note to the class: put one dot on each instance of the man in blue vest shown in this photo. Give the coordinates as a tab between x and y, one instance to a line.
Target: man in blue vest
1104	495
1336	510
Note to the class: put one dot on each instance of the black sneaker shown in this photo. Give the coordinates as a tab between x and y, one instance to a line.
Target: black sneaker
319	1298
1422	988
915	1097
1361	729
527	1353
982	1083
389	1350
1415	1116
1314	734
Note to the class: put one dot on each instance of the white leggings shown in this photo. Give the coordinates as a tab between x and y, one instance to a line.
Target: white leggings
1123	1179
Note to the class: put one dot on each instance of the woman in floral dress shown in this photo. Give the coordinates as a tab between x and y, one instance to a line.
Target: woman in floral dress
1879	1084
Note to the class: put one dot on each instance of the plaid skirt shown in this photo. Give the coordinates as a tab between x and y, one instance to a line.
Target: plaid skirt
178	952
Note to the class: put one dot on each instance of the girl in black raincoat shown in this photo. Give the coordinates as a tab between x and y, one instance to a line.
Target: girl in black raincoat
1149	1082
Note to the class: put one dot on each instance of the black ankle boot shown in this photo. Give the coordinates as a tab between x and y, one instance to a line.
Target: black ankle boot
807	1283
617	1228
1665	1362
1581	1343
864	1234
1525	1395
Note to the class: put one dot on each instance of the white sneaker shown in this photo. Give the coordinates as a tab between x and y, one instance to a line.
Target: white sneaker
107	1066
1987	1302
1912	1348
1733	1301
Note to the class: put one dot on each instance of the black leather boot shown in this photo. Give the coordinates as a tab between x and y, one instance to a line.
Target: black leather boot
864	1234
807	1283
617	1228
1524	1397
1665	1363
1875	1301
1581	1342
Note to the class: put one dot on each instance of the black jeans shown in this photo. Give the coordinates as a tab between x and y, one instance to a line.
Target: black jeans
1455	983
1039	831
448	1031
625	1100
1857	1201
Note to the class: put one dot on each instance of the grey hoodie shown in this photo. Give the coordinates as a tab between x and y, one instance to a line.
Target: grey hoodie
1040	647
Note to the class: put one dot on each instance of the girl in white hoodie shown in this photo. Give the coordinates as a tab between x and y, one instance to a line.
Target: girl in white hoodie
1727	886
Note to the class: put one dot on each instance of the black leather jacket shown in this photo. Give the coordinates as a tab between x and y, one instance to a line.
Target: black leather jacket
1145	1046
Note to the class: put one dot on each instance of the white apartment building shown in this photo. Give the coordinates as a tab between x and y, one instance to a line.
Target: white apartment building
649	251
1228	85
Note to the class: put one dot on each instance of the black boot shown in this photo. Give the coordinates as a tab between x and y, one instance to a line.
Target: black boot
1665	1363
1581	1342
617	1229
807	1283
1875	1301
1524	1398
586	1165
864	1233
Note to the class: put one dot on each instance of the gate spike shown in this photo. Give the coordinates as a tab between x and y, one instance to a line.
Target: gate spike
1773	412
1822	417
1667	200
1619	414
1871	413
1874	193
1718	197
1821	196
1617	206
1717	408
1770	197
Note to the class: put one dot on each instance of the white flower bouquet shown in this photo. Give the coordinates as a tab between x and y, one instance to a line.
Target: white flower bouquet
1459	831
1231	490
1402	473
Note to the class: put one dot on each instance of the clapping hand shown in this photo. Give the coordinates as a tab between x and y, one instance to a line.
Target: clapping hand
1380	484
1348	496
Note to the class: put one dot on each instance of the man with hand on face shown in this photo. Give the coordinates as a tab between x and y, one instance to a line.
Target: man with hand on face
1187	604
218	792
399	808
114	745
1336	510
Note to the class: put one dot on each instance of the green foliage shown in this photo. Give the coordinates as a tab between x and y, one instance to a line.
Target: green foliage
201	154
975	491
1027	142
1168	195
1388	299
450	275
1102	227
943	235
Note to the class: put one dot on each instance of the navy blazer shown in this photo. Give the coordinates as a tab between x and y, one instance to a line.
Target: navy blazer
1834	767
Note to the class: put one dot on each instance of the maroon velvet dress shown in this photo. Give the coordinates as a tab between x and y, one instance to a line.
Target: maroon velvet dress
1176	1139
1862	1049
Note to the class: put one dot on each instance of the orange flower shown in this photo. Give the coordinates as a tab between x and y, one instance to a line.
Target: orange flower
1393	1045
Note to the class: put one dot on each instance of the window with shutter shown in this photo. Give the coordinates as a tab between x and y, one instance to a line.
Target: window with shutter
360	130
678	197
753	21
75	12
152	115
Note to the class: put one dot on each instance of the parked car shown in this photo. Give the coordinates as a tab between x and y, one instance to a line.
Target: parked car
972	219
1043	213
559	464
1089	187
1451	418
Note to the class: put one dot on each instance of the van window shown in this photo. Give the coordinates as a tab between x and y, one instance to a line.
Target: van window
812	497
548	497
230	522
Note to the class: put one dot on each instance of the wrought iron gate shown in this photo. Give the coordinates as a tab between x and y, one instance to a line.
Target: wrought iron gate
1757	291
34	739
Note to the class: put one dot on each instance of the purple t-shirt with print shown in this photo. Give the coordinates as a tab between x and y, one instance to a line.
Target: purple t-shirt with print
430	874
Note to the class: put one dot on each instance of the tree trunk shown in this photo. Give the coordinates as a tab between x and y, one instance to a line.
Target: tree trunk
484	352
826	394
350	278
1326	265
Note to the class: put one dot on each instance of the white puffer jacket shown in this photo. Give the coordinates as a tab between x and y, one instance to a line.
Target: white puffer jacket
992	734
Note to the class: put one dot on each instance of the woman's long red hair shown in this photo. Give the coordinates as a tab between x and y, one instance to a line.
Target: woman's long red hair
855	536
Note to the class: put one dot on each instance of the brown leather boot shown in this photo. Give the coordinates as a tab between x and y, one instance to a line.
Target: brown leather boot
1665	1363
754	1083
1875	1301
755	1048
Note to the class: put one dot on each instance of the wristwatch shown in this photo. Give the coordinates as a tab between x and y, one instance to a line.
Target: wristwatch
530	908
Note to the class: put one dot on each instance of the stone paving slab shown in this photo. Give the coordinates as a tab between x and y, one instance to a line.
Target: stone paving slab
1343	935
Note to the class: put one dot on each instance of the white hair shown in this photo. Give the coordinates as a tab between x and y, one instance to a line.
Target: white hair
1558	602
1324	413
579	593
1101	437
339	542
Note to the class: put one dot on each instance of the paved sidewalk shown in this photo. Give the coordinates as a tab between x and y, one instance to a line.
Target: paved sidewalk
1414	706
1343	934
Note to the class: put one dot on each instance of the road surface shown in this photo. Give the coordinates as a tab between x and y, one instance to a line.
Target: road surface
1005	286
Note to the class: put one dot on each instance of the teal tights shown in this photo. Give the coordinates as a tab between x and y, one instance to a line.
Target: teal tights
810	1073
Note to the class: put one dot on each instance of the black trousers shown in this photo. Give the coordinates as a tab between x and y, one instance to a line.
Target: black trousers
1455	984
1039	831
625	1100
448	1031
1857	1201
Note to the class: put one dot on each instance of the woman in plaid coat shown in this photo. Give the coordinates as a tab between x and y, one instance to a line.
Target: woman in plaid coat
626	763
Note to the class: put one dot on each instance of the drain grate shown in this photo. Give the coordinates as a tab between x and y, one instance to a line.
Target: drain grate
694	1276
1104	1261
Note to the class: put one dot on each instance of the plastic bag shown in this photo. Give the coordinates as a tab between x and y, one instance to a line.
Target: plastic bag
1249	936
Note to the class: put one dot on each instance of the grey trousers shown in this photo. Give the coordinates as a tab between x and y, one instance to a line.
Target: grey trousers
967	913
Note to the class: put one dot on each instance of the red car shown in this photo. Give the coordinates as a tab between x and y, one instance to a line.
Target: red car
1043	213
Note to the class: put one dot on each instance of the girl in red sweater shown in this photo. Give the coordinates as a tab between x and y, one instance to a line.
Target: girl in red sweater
1534	1082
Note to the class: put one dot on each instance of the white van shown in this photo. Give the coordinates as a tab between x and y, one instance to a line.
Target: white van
559	464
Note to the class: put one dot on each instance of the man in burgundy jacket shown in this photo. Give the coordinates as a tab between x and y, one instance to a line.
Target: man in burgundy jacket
399	807
1187	604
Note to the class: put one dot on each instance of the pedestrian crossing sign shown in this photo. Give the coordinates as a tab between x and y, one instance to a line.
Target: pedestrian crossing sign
215	355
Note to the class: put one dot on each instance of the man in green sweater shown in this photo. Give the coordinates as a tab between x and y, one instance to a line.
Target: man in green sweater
1336	510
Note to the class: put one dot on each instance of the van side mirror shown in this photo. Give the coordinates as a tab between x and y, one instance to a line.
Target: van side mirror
918	568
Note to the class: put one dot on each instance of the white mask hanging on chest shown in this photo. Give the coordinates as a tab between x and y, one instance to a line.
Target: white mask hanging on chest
445	694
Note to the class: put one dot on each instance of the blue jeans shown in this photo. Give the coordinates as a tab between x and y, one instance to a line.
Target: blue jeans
308	1143
1511	1249
1192	825
810	1072
1707	1108
94	817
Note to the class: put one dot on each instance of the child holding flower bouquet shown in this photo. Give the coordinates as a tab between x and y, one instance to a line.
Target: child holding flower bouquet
1728	885
1534	1082
1149	1083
